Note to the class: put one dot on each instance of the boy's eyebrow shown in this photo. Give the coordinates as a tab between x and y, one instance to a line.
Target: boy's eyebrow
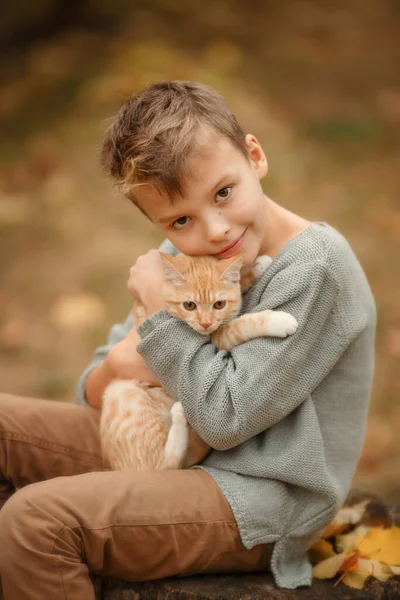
215	187
220	181
168	219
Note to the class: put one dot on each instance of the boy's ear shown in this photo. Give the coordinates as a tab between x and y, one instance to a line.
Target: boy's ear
230	268
256	155
171	269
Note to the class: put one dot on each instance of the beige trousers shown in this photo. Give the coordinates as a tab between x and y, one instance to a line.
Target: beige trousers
76	516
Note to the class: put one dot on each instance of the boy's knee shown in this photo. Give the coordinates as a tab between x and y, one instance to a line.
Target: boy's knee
30	527
20	514
25	517
10	400
32	538
6	403
18	525
12	409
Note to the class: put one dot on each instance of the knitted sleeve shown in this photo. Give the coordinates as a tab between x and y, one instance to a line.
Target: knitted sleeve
229	397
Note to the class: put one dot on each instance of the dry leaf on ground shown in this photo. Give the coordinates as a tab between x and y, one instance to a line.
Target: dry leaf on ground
347	516
361	553
382	545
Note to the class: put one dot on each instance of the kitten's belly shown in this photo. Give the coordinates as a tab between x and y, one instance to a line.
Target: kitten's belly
134	425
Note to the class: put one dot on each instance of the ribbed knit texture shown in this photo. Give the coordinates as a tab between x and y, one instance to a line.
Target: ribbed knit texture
286	417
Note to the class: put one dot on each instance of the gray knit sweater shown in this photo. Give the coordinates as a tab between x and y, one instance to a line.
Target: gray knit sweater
286	417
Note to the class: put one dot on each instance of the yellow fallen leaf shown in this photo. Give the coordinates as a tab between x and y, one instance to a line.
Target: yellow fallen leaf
347	515
355	579
395	570
349	541
374	568
330	566
320	551
381	544
355	569
359	569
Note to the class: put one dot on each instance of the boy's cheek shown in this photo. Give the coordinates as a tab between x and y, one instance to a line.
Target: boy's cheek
191	245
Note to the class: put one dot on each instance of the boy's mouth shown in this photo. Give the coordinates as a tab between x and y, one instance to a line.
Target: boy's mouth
233	248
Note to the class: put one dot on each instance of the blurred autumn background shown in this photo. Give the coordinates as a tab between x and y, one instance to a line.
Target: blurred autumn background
318	83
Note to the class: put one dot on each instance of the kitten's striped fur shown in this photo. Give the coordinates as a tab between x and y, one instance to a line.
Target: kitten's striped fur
141	426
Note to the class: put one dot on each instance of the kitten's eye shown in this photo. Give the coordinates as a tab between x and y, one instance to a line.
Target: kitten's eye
180	223
189	305
224	193
219	304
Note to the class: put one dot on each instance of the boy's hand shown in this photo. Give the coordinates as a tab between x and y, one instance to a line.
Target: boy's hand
146	280
124	362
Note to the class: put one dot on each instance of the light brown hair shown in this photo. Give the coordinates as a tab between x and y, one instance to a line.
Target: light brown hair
157	130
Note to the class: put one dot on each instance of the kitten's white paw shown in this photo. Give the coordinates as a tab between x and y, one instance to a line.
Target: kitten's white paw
261	264
178	414
282	324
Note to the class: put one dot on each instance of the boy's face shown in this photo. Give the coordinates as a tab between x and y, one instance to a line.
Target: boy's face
223	209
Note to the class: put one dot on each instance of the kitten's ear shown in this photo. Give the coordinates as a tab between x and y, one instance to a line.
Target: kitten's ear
230	269
172	273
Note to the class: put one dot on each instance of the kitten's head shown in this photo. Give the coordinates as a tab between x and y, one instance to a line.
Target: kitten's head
203	291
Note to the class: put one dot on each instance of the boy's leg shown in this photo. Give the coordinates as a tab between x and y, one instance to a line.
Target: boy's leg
41	439
130	525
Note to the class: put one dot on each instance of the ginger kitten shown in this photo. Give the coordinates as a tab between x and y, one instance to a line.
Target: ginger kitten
141	426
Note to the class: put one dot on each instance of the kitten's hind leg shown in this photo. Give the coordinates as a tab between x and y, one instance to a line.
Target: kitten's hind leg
251	274
178	439
261	264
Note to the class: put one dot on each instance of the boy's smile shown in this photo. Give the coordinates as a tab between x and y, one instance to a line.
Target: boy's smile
234	248
223	208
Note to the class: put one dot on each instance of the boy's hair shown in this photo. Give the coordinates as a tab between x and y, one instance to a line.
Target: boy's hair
157	130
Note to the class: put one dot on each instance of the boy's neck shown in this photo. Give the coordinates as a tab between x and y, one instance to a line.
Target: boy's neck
282	225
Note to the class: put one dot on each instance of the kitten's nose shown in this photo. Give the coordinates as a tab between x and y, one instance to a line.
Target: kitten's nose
205	325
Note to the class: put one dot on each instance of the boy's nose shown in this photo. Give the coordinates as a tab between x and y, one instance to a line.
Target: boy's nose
217	230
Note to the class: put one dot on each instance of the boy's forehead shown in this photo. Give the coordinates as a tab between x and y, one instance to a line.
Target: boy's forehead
211	166
214	153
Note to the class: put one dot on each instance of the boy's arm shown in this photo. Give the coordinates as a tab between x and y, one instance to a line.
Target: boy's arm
117	333
116	359
121	362
231	397
108	363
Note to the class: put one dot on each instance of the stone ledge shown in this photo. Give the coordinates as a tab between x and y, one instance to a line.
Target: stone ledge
239	587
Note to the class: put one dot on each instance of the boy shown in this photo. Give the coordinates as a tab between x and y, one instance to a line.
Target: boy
285	417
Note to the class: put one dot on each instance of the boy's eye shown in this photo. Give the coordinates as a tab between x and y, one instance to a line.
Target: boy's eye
181	222
224	193
189	305
219	304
